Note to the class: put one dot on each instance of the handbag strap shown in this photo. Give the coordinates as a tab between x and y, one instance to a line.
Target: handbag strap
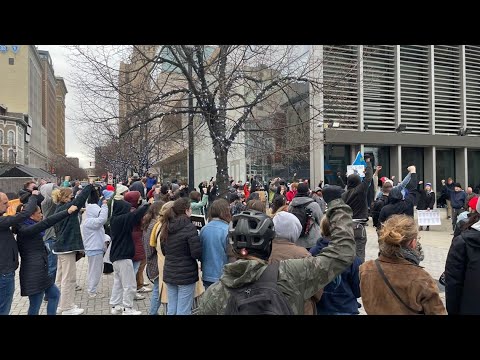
382	274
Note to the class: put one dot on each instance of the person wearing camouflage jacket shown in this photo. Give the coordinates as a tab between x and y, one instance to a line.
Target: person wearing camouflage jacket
298	279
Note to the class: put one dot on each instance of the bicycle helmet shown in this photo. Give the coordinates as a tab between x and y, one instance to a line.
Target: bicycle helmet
251	233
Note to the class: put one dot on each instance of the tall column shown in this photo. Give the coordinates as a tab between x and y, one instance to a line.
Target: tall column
396	162
461	166
317	140
431	88
430	166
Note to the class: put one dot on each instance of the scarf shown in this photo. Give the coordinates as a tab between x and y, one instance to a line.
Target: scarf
413	255
30	222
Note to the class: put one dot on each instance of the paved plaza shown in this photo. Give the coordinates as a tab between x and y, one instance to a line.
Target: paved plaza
435	243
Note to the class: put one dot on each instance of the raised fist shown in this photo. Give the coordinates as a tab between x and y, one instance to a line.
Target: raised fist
379	167
420	182
104	202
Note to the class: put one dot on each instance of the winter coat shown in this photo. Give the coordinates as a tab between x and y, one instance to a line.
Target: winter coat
398	206
67	231
340	297
24	195
34	276
356	194
214	239
150	253
377	207
8	245
412	283
462	273
197	207
92	227
48	207
457	198
162	287
138	186
150	182
132	197
320	202
425	200
314	232
182	248
283	249
121	226
298	279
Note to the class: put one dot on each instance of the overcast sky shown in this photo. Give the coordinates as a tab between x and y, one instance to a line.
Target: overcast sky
61	67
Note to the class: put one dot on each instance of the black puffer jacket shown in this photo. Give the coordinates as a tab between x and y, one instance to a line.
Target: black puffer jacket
462	271
396	204
356	194
34	265
181	249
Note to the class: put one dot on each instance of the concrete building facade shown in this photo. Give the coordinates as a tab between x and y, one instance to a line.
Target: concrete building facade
402	103
60	93
27	88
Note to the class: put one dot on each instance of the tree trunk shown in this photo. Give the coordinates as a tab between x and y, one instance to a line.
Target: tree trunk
221	161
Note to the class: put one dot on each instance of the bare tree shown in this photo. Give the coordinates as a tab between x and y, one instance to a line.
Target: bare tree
62	166
129	87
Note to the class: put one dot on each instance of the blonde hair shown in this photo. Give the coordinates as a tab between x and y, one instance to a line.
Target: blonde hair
61	195
293	186
397	232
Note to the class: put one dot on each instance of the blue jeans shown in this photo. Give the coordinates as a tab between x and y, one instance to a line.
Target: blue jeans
155	299
7	288
53	295
206	284
52	258
180	299
136	266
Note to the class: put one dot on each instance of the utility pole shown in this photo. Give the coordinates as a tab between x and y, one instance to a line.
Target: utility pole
191	167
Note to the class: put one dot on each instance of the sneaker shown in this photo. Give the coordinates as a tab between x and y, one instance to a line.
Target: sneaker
146	284
138	296
96	295
78	288
60	310
74	311
116	310
144	289
130	311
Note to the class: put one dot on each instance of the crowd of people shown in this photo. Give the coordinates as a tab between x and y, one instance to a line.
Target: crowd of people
282	247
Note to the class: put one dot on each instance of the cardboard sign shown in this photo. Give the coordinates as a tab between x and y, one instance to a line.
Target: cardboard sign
428	217
198	220
356	169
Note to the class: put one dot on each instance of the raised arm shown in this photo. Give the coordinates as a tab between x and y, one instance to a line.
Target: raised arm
29	209
44	224
81	199
316	272
406	180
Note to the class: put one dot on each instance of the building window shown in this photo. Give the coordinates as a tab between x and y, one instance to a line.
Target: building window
11	61
11	138
11	156
1	137
1	155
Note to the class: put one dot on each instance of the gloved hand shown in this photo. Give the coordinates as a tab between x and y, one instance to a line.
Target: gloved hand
332	192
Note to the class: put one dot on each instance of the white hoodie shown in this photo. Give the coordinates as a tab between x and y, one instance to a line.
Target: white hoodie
92	227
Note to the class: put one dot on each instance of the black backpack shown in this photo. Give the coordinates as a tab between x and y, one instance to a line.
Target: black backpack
376	208
304	215
259	298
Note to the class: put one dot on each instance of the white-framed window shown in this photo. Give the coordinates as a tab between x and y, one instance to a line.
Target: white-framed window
11	157
11	137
